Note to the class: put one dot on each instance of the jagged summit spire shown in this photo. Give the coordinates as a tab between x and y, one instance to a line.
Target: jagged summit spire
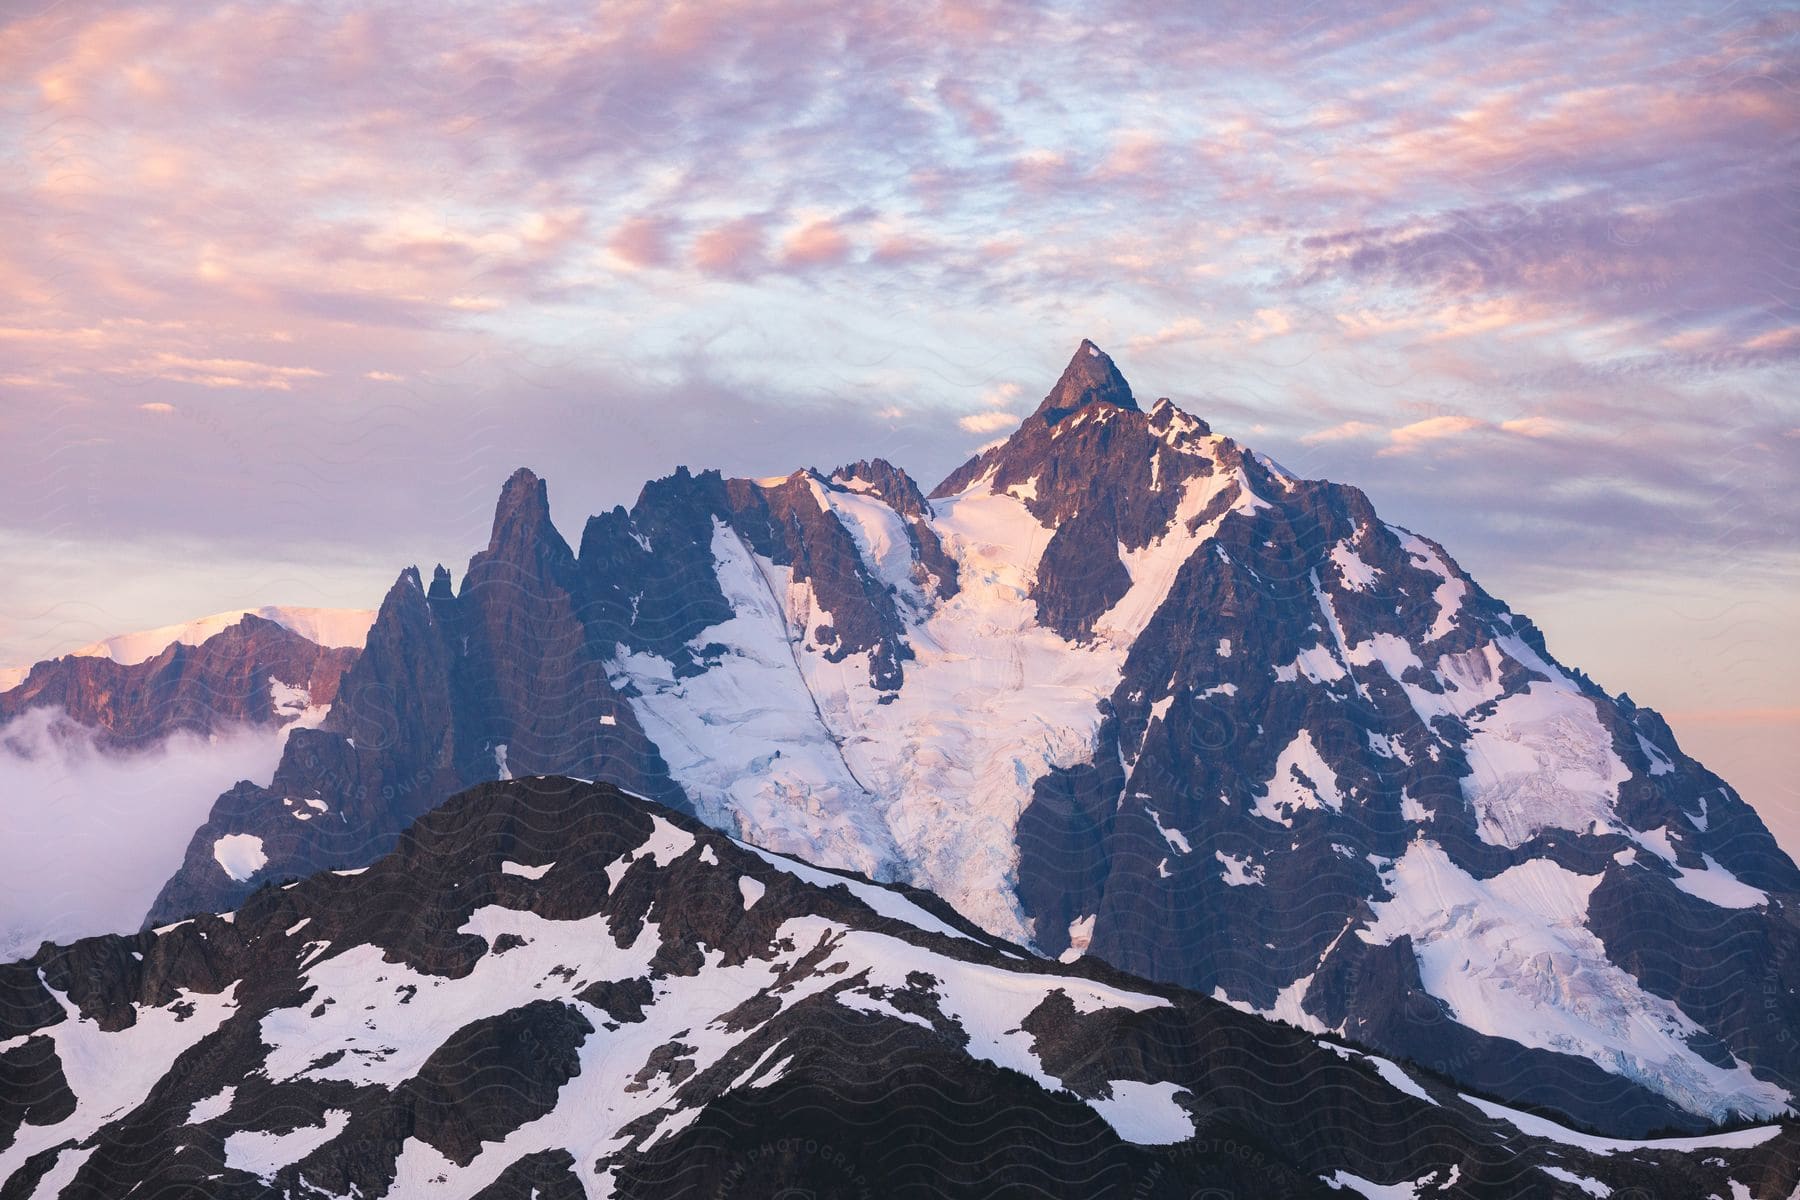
1089	378
522	525
524	502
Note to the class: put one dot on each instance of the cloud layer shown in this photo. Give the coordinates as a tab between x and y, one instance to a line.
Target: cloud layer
294	286
92	835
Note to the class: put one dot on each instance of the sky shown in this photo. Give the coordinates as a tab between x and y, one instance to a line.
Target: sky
286	290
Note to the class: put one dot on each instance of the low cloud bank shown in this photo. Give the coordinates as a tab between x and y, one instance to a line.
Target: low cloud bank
88	836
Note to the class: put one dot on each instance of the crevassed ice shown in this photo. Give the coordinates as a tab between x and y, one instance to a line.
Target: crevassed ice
1511	956
927	787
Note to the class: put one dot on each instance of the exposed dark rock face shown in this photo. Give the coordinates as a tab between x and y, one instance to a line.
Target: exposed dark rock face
896	489
499	678
222	683
494	1075
794	1032
1269	588
33	1088
800	531
1090	378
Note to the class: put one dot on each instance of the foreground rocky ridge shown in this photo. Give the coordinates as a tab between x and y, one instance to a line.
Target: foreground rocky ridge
550	988
1120	687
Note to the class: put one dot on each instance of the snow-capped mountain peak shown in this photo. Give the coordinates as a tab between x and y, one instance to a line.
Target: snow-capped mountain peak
332	627
1120	687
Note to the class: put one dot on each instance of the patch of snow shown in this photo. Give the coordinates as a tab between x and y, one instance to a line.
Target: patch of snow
1539	1127
240	855
1592	1187
751	889
263	1154
1660	763
512	868
1342	1180
1145	1113
1153	568
1302	779
1081	936
216	1105
883	901
1657	842
1388	747
293	705
1315	663
1717	886
1176	839
1391	1072
1356	574
1239	872
880	536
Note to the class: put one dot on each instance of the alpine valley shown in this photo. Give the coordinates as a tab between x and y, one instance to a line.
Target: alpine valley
1124	816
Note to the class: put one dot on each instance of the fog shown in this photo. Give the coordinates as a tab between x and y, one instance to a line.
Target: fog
88	836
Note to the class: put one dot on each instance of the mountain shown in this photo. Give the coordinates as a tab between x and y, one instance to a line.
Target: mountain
202	677
552	989
1121	688
108	761
335	627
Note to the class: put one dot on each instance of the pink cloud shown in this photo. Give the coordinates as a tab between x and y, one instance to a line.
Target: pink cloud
988	422
816	244
976	117
900	248
1347	431
732	249
1409	438
642	241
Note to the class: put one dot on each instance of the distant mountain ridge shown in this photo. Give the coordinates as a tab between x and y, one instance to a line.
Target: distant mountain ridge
330	627
1119	687
204	677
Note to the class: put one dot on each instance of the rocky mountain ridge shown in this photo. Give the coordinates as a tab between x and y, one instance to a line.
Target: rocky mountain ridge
549	988
254	672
